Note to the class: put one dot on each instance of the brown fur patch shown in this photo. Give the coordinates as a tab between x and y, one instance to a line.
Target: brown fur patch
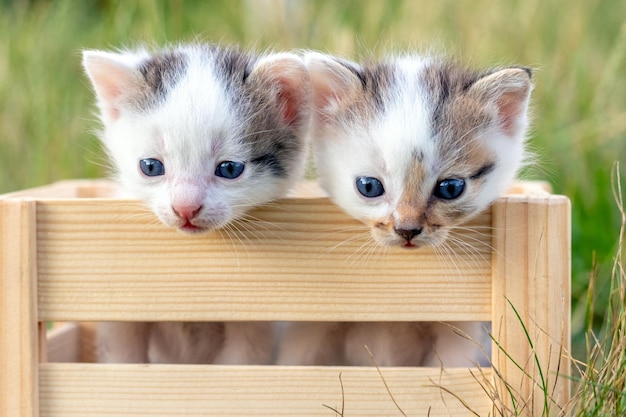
364	92
457	118
455	113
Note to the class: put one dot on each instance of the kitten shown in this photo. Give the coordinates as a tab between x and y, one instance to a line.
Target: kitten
431	145
201	134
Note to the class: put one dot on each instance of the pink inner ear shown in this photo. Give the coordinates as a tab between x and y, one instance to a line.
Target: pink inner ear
323	94
113	113
289	106
110	92
510	106
111	81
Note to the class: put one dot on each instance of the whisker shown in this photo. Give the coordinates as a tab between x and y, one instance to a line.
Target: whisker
442	252
465	253
224	232
230	228
365	251
349	240
259	227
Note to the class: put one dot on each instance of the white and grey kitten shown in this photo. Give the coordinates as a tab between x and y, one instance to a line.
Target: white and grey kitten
201	134
431	144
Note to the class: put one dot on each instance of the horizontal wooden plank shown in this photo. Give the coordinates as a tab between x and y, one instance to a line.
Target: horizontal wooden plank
67	189
299	259
96	390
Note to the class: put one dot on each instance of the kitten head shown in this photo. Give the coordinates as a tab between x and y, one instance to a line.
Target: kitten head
415	146
202	133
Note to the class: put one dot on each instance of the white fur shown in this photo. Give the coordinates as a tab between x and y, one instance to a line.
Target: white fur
383	146
190	133
191	130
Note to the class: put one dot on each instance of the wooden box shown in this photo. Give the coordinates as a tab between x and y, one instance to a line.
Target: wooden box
71	253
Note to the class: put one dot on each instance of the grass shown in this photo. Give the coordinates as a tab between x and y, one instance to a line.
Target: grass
600	381
602	386
577	47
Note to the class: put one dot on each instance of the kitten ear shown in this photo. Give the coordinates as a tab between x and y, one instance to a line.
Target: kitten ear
509	91
289	83
114	79
335	83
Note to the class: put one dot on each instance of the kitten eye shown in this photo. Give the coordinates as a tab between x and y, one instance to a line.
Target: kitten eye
450	188
229	169
369	187
152	167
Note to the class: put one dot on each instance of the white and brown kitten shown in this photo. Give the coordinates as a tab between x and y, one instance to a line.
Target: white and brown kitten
412	146
201	134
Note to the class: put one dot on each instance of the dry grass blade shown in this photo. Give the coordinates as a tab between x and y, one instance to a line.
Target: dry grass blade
458	398
369	352
602	386
343	400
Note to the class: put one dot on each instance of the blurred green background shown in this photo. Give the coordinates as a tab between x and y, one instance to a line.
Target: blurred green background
577	47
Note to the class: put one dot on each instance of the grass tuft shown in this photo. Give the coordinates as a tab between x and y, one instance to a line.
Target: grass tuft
601	387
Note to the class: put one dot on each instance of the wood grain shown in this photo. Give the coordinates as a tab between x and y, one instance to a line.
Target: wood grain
18	320
531	311
67	189
300	259
93	390
89	259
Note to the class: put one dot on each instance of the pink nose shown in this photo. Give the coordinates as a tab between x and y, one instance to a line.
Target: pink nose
186	212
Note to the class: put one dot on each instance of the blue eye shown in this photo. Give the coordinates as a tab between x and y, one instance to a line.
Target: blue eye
369	187
152	167
450	188
229	169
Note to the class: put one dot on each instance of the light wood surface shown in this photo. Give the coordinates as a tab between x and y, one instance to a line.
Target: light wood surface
531	299
110	260
67	189
81	259
78	390
18	320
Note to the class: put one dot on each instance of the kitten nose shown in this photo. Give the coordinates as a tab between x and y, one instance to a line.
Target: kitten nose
187	212
408	234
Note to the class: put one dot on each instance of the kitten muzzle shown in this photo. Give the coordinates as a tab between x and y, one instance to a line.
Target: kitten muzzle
408	234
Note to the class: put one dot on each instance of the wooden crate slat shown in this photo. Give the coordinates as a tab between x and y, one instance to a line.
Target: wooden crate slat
89	390
68	189
298	260
85	255
532	257
18	320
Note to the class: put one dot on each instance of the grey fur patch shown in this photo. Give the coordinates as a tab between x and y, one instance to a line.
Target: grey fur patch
274	145
376	80
162	71
275	150
233	65
271	162
417	155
